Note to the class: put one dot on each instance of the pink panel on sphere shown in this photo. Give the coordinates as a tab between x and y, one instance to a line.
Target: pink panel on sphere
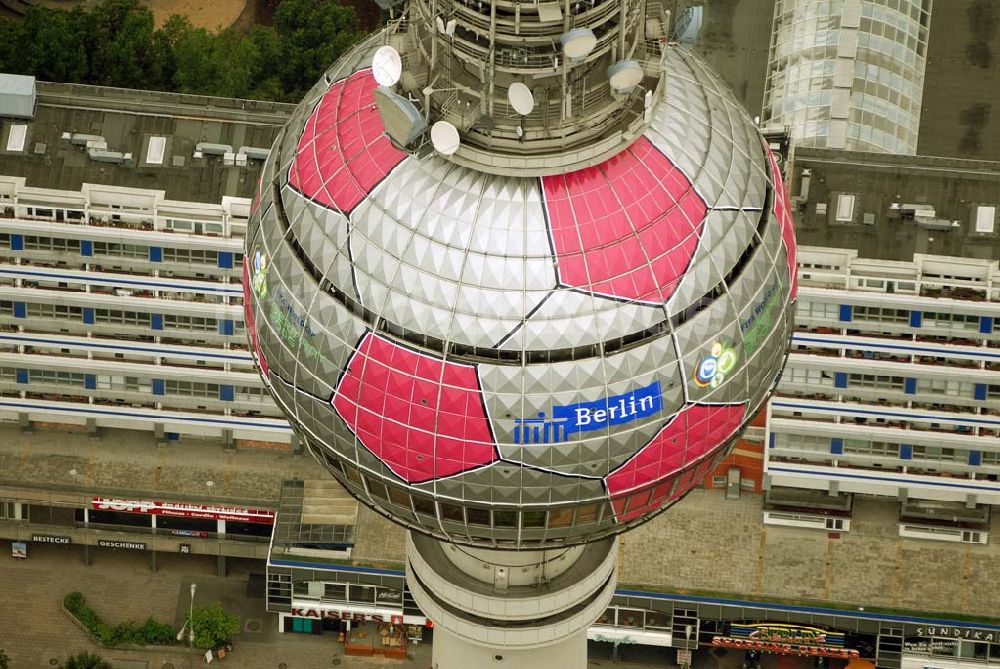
248	319
783	212
626	228
343	151
423	417
695	432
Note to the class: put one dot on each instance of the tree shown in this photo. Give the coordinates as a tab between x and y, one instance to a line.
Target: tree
86	660
313	34
212	626
4	659
121	43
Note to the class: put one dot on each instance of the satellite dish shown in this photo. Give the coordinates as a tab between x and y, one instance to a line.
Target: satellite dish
444	137
624	76
520	98
387	66
401	119
578	43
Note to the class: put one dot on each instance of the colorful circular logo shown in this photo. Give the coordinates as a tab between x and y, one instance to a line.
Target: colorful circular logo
713	368
258	272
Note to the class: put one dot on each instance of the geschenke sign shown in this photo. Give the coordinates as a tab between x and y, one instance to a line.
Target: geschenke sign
127	545
184	510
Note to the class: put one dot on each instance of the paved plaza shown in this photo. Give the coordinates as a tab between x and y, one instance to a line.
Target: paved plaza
705	544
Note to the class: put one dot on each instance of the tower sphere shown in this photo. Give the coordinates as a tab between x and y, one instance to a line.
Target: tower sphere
520	347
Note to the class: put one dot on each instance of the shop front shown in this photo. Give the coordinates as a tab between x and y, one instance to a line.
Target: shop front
775	645
379	628
950	647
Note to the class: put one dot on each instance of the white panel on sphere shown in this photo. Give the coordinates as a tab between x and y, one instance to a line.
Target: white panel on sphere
445	138
387	66
521	98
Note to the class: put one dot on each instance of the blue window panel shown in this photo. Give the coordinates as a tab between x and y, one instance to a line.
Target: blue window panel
86	247
846	313
980	391
90	382
156	321
840	379
159	387
837	446
225	327
22	376
916	318
910	386
905	452
20	310
155	254
173	436
986	325
770	440
16	242
975	458
88	315
227	393
226	259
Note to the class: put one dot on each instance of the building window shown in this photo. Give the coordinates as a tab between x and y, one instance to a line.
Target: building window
878	449
6	308
138	384
33	243
55	377
60	311
962	321
199	256
873	381
938	453
191	389
198	323
119	317
882	315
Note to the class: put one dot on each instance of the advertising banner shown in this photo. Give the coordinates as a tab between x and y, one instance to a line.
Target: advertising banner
184	510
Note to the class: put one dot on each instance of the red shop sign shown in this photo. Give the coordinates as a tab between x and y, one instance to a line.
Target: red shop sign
184	510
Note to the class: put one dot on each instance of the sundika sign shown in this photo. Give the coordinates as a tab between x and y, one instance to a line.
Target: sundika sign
952	632
184	510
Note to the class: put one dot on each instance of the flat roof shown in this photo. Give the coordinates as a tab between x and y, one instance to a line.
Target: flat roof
127	119
954	188
960	115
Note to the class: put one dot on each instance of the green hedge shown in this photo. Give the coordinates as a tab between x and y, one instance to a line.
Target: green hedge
149	633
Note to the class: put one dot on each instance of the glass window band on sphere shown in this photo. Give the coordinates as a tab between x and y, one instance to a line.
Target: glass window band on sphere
520	361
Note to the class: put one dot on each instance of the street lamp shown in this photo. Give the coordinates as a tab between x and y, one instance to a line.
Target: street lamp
194	586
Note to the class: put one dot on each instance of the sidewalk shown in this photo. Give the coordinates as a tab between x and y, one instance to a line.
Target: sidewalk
119	586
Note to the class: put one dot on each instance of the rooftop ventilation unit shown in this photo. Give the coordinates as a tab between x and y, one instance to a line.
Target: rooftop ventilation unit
17	96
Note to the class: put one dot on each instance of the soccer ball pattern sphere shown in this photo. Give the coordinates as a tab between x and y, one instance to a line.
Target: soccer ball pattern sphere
518	361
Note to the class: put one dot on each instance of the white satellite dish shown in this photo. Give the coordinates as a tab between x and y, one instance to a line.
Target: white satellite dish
578	43
520	98
624	76
387	66
445	138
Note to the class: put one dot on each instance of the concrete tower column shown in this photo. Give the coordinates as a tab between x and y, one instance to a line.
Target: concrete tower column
517	609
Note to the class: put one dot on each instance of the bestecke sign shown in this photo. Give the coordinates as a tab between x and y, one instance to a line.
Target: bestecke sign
184	510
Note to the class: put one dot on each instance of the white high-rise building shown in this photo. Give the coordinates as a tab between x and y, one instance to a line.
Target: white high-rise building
848	74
